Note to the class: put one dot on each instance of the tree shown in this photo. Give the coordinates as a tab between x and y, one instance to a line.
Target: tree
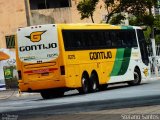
157	26
157	21
86	8
137	8
113	7
117	19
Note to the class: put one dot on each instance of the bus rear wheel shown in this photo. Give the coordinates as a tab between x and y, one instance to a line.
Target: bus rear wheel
48	94
85	85
137	78
94	82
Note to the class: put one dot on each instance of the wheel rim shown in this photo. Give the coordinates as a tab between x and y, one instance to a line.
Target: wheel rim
94	85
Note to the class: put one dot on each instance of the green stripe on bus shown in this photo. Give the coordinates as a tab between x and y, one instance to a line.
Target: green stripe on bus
126	27
126	60
117	62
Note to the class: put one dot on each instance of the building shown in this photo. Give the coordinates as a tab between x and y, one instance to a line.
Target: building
20	13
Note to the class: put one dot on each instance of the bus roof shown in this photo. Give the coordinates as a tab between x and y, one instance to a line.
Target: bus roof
87	26
93	26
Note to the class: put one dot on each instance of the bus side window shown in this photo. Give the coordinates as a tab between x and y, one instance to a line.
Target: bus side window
77	40
101	39
113	39
93	39
85	39
123	38
73	40
131	38
107	38
128	39
119	39
66	39
88	39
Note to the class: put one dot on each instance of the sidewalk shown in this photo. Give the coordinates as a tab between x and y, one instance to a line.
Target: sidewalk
8	93
14	93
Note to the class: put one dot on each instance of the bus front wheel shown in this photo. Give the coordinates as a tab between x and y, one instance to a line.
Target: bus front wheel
137	77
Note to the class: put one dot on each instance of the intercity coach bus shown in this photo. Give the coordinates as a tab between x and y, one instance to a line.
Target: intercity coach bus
54	58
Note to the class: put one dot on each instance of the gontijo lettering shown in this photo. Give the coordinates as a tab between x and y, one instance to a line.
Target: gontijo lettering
100	55
37	47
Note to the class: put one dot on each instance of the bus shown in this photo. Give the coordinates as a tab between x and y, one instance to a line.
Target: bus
54	58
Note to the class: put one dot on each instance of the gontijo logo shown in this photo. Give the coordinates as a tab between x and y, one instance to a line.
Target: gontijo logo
35	36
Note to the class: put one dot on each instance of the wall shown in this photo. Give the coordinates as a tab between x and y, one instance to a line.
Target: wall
71	14
12	16
59	15
38	19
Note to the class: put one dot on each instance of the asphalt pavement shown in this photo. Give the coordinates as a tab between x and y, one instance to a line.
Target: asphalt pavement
117	102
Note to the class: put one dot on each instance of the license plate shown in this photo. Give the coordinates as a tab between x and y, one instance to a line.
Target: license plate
45	74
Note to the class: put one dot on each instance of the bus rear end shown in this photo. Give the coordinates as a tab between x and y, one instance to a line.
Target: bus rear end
37	51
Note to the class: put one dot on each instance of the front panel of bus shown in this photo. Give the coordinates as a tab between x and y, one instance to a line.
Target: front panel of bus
37	58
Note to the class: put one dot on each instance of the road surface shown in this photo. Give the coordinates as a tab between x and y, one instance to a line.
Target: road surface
116	97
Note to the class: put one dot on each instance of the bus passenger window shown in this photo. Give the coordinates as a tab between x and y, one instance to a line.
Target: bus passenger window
113	39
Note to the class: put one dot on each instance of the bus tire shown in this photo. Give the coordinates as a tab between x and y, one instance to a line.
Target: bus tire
137	78
46	94
93	82
85	85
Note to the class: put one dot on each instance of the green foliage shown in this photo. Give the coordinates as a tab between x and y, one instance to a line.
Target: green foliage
147	34
136	8
142	20
113	7
117	19
133	21
86	8
148	20
139	9
157	25
157	21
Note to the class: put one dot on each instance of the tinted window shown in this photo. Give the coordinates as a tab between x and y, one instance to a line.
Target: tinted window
143	47
47	4
98	39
